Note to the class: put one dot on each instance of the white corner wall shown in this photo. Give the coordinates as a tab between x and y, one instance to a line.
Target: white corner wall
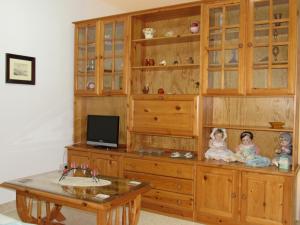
36	121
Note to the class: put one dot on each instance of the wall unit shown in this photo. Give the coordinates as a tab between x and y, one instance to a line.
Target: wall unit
238	72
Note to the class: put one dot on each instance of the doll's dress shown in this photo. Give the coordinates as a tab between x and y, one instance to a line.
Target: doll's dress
282	154
218	151
247	154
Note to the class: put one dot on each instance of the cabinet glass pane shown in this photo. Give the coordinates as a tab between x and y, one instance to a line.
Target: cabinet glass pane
91	51
107	48
119	64
280	9
107	81
280	54
80	83
280	32
232	37
107	65
231	57
232	15
231	79
91	34
108	31
261	10
118	81
82	35
214	79
215	38
261	34
119	32
81	52
91	65
214	58
260	78
119	48
261	55
81	66
215	17
279	78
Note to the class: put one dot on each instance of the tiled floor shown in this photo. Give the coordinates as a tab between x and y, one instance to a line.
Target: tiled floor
78	217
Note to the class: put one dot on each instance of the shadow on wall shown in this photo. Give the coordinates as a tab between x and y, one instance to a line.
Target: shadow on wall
133	5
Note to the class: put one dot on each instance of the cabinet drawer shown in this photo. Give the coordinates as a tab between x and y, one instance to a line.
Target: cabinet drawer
163	183
167	116
170	198
105	156
159	168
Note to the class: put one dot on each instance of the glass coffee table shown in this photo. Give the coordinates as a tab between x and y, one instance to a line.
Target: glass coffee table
115	200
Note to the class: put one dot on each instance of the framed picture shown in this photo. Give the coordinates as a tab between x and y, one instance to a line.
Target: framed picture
20	69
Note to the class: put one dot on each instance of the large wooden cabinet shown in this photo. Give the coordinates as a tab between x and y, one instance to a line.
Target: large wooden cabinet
210	64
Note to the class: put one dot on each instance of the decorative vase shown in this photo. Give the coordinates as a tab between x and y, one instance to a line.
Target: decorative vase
149	32
194	28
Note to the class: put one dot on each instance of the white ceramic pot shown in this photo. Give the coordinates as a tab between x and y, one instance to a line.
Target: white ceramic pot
148	32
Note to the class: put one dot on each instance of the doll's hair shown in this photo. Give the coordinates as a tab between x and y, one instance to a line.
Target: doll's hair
286	136
246	133
219	131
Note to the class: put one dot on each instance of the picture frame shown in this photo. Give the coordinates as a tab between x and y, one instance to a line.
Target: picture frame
20	69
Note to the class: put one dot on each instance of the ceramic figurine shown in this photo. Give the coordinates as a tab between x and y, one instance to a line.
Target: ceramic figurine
194	28
218	146
146	89
148	32
163	63
247	152
284	151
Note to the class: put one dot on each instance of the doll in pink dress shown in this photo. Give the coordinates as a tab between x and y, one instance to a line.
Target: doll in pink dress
218	146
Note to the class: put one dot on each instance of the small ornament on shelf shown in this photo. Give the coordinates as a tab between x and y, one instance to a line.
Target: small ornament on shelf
146	89
163	62
194	28
161	91
149	32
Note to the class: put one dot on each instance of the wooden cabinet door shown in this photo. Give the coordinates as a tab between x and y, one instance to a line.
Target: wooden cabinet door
86	58
78	158
266	199
114	55
106	165
271	51
223	45
217	195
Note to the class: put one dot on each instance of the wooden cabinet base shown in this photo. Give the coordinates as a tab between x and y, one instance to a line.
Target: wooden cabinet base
161	208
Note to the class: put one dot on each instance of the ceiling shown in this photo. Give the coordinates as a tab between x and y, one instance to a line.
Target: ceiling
135	5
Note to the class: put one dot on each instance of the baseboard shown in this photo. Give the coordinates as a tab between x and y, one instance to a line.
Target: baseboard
8	207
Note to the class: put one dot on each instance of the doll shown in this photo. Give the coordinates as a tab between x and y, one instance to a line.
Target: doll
247	152
218	147
284	150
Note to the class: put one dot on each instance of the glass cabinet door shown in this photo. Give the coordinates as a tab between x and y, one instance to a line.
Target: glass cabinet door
269	46
85	59
113	56
224	49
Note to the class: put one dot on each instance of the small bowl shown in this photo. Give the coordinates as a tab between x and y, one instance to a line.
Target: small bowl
276	125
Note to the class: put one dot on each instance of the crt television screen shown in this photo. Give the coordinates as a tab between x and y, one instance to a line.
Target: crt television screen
103	130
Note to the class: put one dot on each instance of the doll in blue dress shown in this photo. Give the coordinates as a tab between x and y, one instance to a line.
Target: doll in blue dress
247	152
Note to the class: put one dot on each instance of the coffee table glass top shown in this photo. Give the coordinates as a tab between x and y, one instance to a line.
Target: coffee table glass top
49	182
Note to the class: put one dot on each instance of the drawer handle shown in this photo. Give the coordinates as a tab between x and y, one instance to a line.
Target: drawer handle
146	110
177	107
233	195
155	118
204	177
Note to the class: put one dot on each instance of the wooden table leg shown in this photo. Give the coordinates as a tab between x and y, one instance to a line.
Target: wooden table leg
25	211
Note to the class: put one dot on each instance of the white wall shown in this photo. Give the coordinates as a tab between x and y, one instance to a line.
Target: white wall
36	121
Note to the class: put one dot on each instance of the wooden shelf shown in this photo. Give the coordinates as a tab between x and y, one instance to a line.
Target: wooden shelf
255	128
168	40
167	67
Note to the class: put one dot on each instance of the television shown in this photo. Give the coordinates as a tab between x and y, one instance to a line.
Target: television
103	131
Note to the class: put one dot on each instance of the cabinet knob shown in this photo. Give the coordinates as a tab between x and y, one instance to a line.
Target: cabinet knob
204	177
146	110
250	44
233	195
179	202
155	118
241	45
179	186
177	107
